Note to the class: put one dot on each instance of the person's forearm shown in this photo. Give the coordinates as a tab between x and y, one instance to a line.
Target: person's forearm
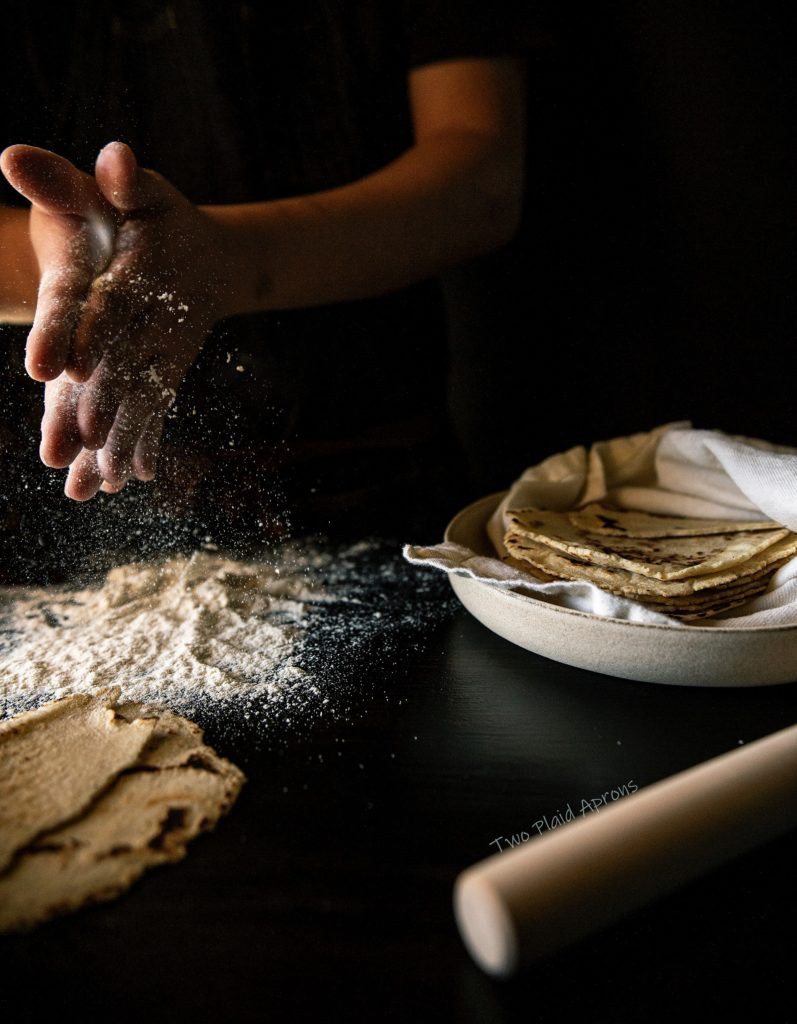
19	277
446	199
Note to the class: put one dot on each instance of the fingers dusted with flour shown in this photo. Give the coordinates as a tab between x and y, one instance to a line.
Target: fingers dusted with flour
126	186
145	317
71	231
61	443
84	478
123	291
50	182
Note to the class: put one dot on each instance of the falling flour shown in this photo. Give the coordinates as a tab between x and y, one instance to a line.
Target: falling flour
194	628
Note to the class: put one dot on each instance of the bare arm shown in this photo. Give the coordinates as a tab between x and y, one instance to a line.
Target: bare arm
19	276
455	194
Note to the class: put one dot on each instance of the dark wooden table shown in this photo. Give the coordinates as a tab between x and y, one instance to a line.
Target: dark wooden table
326	893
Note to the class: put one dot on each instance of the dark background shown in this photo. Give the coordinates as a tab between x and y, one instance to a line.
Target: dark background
653	276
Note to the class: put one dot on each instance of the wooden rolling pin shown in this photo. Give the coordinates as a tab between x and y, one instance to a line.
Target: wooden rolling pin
530	901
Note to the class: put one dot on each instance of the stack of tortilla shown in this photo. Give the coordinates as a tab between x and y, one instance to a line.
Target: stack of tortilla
688	568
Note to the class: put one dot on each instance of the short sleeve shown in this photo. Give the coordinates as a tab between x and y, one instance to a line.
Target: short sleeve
439	30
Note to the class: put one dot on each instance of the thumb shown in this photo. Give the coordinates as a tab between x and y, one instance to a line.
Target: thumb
124	184
49	181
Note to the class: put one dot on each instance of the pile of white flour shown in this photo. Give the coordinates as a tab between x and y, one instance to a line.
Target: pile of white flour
188	630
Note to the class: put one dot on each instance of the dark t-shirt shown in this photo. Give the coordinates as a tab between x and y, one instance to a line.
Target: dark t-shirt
253	101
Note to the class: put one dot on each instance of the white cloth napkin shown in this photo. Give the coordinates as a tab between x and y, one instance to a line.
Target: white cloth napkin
673	470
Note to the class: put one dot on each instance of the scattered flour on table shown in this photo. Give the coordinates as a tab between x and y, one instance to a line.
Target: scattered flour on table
193	628
299	635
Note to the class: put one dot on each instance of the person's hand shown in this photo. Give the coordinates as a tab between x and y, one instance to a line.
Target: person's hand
71	229
133	334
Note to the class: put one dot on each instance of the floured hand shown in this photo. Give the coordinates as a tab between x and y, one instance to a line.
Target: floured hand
115	342
72	230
